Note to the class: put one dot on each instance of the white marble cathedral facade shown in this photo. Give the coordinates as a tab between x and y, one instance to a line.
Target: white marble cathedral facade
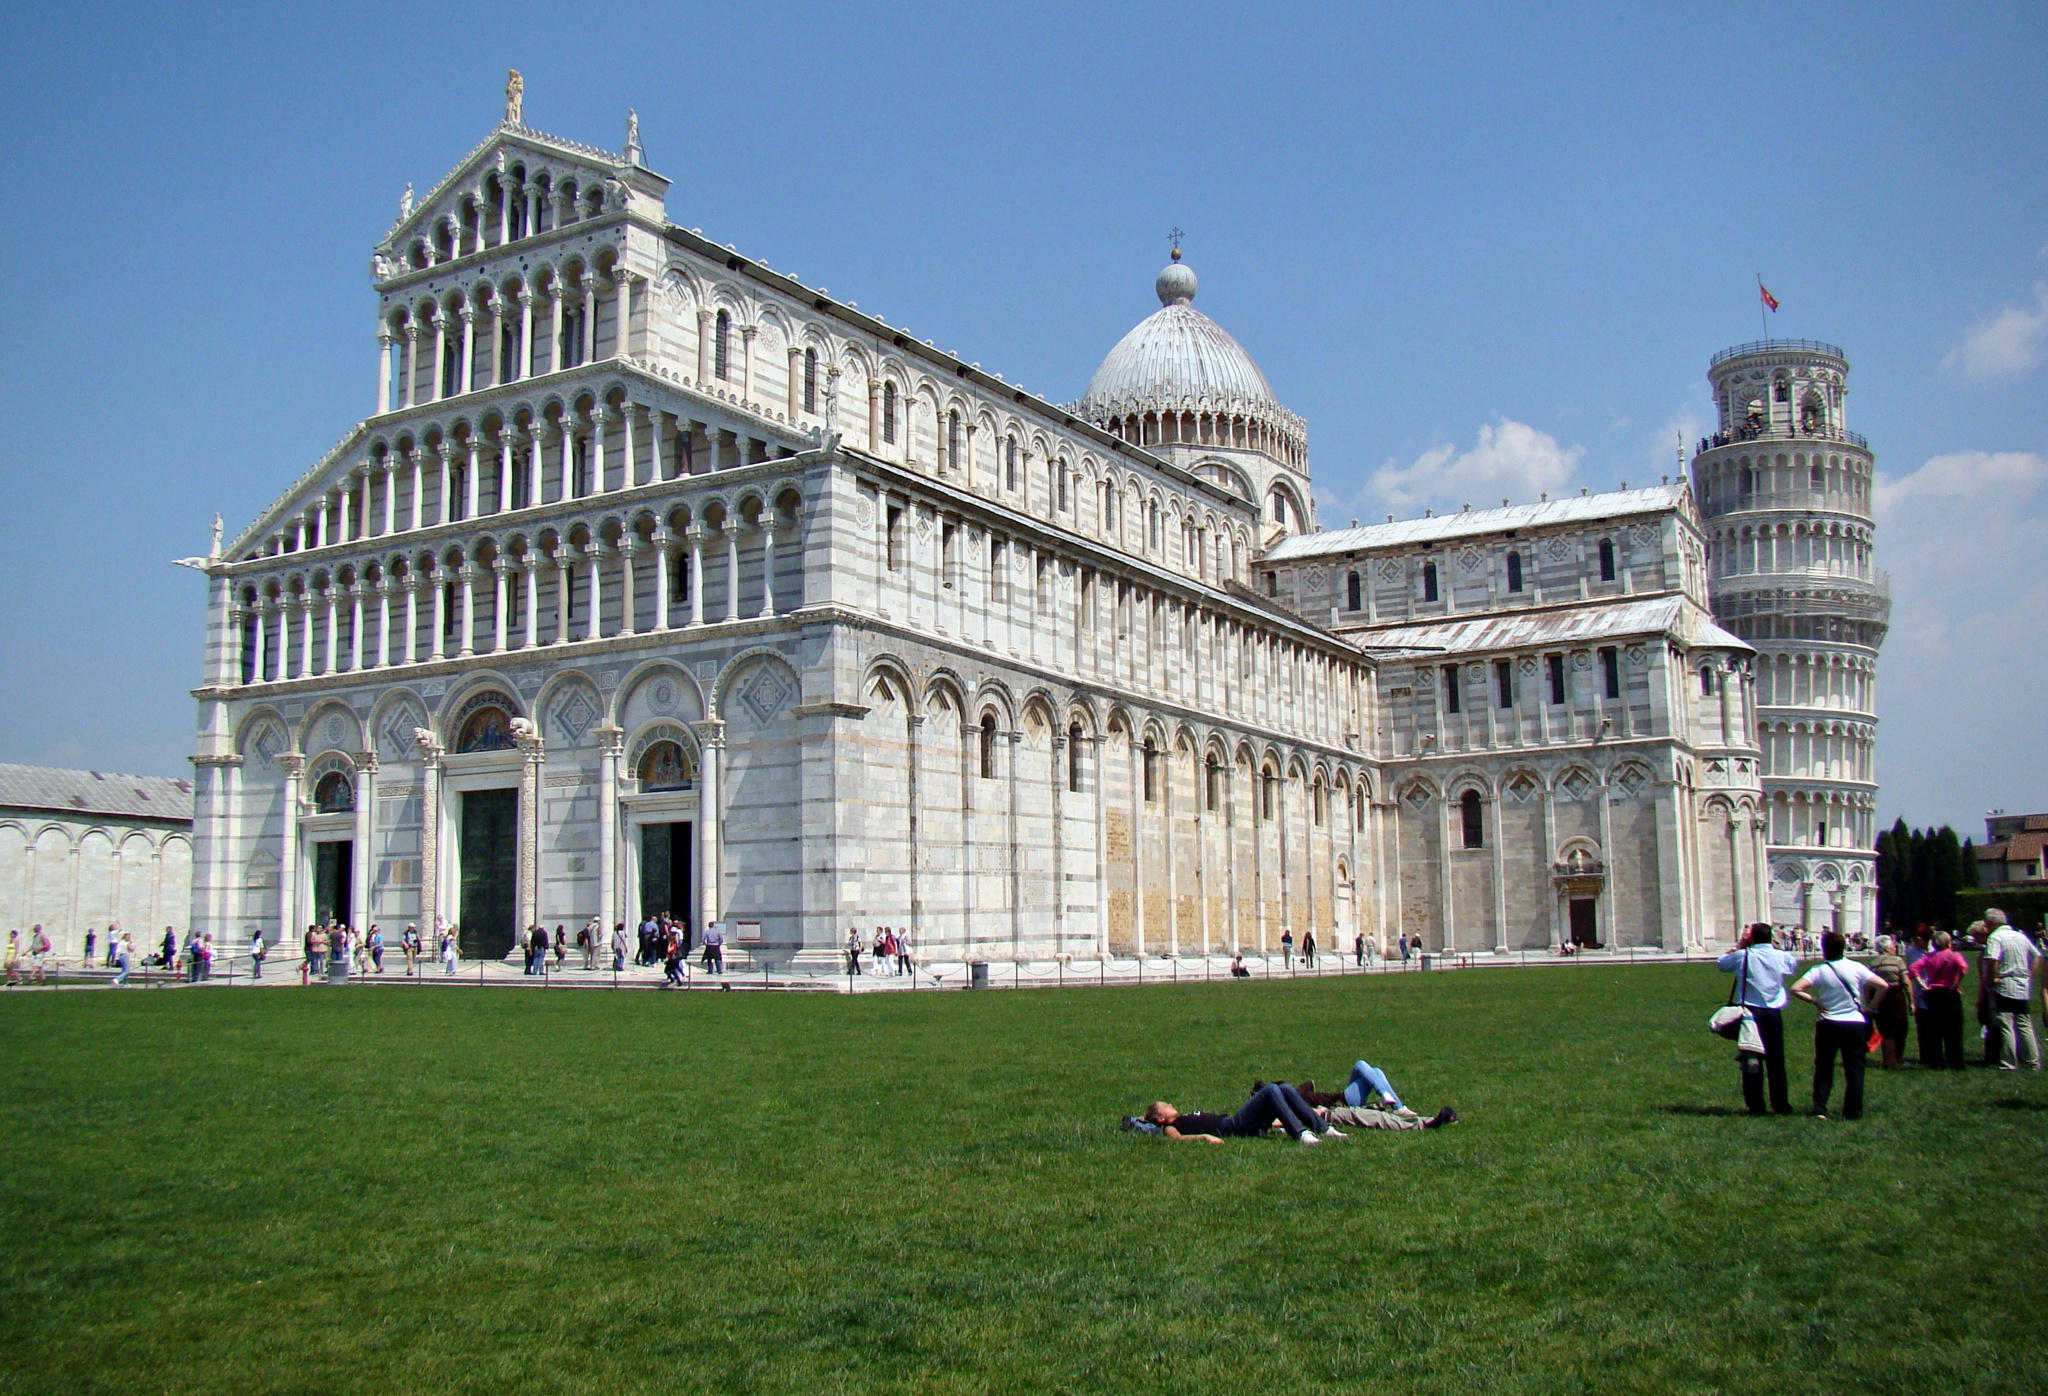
658	580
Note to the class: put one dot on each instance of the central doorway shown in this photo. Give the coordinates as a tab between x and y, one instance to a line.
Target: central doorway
1585	922
334	866
486	926
666	852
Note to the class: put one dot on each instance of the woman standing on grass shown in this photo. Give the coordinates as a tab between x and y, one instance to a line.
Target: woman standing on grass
1845	992
1893	1011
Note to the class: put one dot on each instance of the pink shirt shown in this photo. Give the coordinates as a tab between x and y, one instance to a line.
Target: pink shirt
1944	969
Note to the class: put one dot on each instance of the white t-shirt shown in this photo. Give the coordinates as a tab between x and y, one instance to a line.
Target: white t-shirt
1837	986
2014	953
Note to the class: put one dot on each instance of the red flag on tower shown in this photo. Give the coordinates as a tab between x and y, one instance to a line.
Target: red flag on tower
1764	293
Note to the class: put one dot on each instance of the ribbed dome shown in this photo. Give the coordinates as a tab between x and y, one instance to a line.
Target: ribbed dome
1177	358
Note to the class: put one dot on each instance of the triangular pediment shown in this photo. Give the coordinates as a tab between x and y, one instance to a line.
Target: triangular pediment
515	157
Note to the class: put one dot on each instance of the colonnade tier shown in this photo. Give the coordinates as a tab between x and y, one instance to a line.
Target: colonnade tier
503	207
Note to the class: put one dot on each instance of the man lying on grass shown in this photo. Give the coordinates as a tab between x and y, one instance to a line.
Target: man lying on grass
1368	1101
1270	1107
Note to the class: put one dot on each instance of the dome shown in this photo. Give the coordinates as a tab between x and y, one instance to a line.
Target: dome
1178	358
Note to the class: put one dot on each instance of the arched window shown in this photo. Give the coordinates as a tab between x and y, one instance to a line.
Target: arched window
1706	681
1360	802
1606	559
1473	818
1010	465
1279	507
721	347
889	413
666	766
1151	772
1351	593
1267	781
335	794
1322	804
988	746
810	380
1213	785
1062	477
1429	581
953	441
1514	571
488	728
458	491
1074	757
451	364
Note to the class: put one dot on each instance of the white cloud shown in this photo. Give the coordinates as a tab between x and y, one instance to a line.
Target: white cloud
1512	460
2006	345
1957	535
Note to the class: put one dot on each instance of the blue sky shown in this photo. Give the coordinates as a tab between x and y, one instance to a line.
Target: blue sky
1483	254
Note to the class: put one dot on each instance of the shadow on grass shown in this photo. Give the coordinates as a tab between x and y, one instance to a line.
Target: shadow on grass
1723	1111
2018	1102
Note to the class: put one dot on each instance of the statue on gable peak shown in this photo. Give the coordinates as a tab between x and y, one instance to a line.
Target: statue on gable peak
405	201
515	98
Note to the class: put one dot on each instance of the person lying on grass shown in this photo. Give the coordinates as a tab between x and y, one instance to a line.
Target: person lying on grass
1368	1101
1270	1107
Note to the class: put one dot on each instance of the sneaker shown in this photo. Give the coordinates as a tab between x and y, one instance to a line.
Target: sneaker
1445	1116
1820	1114
1332	1132
1404	1112
1308	1136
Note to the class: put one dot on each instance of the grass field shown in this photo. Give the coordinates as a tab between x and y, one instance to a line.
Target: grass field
376	1189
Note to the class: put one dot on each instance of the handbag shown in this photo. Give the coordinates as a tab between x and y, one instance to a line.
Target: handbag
1735	1021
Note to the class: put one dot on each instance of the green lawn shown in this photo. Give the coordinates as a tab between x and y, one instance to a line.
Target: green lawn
382	1189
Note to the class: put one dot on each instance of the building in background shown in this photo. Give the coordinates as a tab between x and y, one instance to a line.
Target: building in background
1784	491
659	581
82	850
2015	850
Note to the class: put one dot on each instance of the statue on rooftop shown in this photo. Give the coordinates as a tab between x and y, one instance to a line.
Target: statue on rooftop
214	551
405	201
515	98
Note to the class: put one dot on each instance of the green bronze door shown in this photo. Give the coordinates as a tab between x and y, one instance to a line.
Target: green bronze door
487	925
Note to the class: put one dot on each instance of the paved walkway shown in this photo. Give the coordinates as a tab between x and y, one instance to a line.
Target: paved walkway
233	972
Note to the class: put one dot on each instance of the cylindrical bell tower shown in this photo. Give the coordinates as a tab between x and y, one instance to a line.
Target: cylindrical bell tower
1784	493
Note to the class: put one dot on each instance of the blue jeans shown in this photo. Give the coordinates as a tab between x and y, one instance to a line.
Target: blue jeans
1275	1102
317	961
1365	1077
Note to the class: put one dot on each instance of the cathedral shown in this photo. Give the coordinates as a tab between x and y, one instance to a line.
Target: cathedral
658	581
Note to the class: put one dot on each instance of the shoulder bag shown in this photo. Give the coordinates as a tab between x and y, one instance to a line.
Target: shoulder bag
1735	1022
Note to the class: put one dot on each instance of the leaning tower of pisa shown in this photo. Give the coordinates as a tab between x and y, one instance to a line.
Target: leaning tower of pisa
1784	491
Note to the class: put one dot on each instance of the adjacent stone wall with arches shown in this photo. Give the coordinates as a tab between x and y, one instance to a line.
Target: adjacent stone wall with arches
70	875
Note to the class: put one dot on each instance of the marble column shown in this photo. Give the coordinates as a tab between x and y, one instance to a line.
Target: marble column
498	604
529	570
470	483
440	323
355	628
593	551
383	622
361	860
468	622
695	535
430	833
767	563
526	334
465	377
704	334
419	488
628	594
293	765
710	816
565	578
330	644
661	542
410	366
588	329
622	343
411	584
730	529
445	452
385	339
437	647
304	605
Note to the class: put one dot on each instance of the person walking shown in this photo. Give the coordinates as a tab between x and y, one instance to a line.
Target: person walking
1287	949
714	946
562	941
903	965
852	951
619	947
540	950
86	959
169	950
38	952
2008	968
258	947
1894	1013
1761	970
1358	949
124	961
113	943
409	942
376	946
1939	977
1308	947
13	960
448	951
